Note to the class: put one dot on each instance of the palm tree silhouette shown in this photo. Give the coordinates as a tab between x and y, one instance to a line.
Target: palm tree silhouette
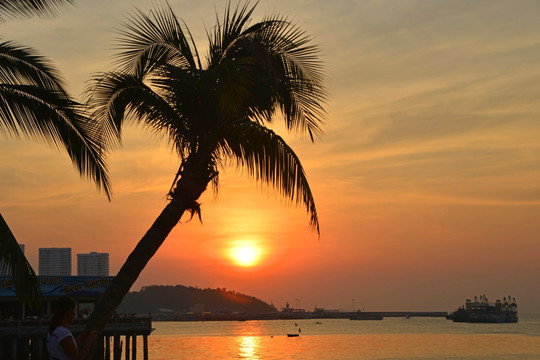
211	115
34	104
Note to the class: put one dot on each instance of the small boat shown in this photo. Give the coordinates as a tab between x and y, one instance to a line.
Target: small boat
293	335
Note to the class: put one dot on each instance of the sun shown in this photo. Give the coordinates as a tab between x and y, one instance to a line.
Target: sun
245	255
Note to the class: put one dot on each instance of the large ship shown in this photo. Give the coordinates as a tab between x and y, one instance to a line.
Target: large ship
482	311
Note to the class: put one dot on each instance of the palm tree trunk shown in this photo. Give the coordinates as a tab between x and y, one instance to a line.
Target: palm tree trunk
135	263
189	188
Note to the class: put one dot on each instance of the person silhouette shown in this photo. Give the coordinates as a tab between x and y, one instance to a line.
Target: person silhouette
61	345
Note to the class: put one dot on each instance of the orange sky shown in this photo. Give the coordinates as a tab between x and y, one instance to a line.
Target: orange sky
426	181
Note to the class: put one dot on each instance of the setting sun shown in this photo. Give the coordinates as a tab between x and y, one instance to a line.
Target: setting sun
245	255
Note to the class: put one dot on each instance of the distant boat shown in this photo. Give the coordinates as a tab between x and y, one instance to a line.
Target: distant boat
481	311
366	316
295	335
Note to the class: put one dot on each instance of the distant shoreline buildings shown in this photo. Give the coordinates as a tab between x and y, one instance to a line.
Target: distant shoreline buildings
93	264
57	262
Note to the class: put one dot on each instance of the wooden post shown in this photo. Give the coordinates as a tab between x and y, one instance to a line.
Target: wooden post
37	348
107	347
127	347
100	348
13	349
145	347
24	348
117	348
44	347
134	347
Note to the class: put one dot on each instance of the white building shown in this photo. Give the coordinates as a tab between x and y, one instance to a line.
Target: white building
55	261
5	271
93	264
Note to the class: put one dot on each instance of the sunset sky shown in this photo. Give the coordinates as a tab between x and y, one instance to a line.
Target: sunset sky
427	180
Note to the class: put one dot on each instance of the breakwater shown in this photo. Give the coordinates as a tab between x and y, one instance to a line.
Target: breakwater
296	314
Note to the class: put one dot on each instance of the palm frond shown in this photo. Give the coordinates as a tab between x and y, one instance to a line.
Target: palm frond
52	118
34	104
27	8
149	40
117	96
228	30
266	157
15	263
289	71
22	65
301	89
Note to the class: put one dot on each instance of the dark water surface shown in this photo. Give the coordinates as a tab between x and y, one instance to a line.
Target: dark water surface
391	338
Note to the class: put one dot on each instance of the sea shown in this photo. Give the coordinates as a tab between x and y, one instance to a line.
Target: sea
412	338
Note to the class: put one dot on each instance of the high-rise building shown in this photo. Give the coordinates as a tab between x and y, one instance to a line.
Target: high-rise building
6	271
93	264
55	261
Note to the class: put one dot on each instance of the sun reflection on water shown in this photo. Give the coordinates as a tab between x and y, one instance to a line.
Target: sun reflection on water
248	347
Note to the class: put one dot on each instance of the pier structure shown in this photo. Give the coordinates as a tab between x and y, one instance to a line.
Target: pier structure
23	329
27	339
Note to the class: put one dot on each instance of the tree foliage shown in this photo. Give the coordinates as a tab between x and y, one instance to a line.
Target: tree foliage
218	113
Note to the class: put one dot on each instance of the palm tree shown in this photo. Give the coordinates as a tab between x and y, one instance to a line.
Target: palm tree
211	115
34	104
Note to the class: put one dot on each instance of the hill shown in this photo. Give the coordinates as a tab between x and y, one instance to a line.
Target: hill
179	299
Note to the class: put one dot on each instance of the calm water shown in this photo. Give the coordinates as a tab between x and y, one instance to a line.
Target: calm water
391	338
